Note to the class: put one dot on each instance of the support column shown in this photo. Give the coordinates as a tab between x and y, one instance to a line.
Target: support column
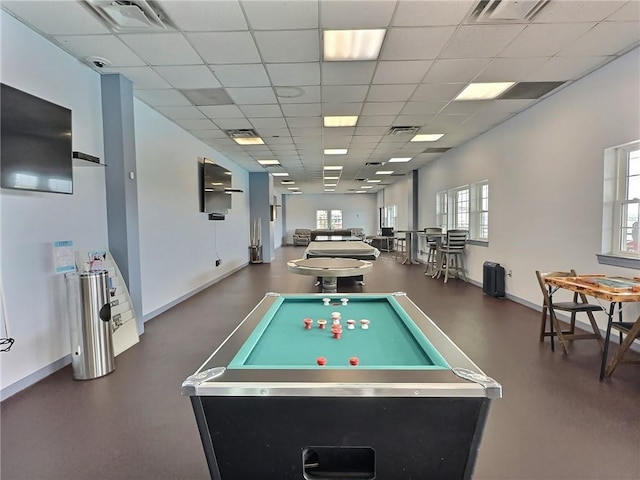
260	195
121	185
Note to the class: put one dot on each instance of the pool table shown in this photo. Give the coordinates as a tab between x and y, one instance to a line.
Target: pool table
282	398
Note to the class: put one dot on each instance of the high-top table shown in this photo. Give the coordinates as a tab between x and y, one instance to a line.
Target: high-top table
409	257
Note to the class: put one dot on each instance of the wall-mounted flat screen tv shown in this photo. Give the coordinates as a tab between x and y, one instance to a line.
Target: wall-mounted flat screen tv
215	188
36	143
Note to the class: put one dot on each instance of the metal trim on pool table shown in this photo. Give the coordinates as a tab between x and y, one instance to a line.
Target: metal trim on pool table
325	381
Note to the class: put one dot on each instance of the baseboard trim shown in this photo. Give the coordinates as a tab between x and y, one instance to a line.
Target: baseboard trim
177	301
34	378
47	370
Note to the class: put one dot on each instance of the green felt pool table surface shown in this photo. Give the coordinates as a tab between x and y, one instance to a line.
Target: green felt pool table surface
392	340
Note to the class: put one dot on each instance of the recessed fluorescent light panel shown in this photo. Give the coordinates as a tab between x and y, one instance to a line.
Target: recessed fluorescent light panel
293	188
361	191
345	121
268	162
427	137
332	178
329	189
345	45
249	141
330	184
297	192
280	174
384	172
287	182
335	151
374	181
484	91
366	186
400	159
333	167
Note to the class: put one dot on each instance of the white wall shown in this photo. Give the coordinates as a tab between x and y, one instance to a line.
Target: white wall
545	171
35	297
358	211
400	195
178	244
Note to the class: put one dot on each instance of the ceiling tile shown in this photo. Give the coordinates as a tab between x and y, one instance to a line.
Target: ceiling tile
401	72
105	46
412	120
411	13
509	69
347	93
298	94
415	43
372	131
141	77
162	98
577	11
222	111
292	74
304	122
206	16
544	40
211	133
565	68
455	70
261	110
375	120
422	108
606	38
252	96
194	124
56	18
248	75
347	73
341	108
629	12
345	14
480	41
289	46
181	113
162	48
382	108
302	110
390	93
281	15
437	91
232	123
187	76
269	122
225	47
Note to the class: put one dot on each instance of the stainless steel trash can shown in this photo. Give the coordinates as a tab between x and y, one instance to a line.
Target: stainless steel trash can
92	353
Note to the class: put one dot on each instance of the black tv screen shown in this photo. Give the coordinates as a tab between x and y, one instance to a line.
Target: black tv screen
36	143
215	186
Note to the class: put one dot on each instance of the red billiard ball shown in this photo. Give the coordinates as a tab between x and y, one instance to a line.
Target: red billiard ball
354	361
322	361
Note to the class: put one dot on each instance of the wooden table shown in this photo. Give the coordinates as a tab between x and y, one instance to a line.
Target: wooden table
616	290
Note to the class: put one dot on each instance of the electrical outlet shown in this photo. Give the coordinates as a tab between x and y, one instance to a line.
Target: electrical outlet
218	262
509	274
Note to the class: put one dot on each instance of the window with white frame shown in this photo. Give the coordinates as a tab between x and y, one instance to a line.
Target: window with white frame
389	216
465	208
329	219
626	206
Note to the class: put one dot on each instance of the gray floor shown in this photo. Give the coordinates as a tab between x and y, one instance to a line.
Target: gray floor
556	420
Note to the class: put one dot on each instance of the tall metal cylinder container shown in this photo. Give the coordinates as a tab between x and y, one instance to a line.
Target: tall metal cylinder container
92	353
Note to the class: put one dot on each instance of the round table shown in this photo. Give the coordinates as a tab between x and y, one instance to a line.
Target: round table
329	269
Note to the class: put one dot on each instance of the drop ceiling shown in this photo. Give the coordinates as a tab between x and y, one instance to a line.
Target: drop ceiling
259	66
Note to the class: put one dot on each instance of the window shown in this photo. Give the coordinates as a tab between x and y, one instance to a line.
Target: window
626	215
329	219
389	216
465	208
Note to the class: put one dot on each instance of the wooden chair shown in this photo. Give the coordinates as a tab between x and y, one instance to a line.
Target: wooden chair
451	254
631	331
578	305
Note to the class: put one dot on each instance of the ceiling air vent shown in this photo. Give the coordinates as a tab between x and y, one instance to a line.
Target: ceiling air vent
373	164
126	16
242	133
359	179
529	90
506	11
437	150
402	130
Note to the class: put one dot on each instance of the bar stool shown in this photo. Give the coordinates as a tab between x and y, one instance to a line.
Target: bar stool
401	248
433	237
452	255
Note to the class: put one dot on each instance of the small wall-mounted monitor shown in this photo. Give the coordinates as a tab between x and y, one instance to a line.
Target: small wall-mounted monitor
35	143
215	188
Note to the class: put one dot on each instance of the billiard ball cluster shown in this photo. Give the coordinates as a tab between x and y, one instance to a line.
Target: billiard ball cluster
336	327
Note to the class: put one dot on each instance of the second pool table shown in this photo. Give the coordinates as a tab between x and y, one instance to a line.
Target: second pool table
414	406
